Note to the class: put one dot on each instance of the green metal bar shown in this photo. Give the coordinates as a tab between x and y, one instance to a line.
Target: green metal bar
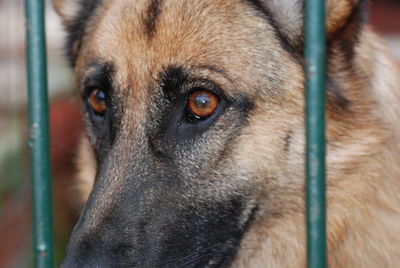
315	54
39	134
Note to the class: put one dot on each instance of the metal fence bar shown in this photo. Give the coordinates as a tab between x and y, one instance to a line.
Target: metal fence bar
315	54
39	134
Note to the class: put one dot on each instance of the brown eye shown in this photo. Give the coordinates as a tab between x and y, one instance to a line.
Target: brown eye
202	104
97	102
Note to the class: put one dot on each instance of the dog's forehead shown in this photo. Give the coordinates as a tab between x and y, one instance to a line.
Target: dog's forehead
140	38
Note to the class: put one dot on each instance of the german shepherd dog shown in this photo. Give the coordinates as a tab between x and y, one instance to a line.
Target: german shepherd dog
194	147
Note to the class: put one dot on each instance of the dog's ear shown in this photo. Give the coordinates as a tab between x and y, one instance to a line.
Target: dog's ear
68	10
288	16
76	14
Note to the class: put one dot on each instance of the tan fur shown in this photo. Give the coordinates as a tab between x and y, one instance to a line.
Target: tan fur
363	140
86	165
363	184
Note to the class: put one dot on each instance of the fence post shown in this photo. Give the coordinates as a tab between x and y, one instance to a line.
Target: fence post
39	134
315	54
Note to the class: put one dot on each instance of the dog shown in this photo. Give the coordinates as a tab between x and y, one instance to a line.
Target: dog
194	148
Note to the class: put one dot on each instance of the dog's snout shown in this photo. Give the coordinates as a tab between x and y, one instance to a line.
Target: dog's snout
91	260
86	252
151	236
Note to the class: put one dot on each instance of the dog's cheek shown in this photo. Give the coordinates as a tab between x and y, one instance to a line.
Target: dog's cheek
86	171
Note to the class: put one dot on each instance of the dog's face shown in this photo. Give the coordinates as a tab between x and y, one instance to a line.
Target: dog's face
194	112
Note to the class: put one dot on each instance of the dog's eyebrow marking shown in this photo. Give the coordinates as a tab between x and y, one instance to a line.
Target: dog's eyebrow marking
172	77
151	15
99	74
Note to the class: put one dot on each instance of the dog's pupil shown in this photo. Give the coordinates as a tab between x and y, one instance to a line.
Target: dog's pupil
97	101
203	103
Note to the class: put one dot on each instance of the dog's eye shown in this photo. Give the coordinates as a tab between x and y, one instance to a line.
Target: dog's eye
97	102
202	104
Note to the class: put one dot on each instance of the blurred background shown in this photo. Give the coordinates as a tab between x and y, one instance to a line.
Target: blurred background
15	217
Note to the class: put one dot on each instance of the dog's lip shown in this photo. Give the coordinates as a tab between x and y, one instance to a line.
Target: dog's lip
213	258
215	262
220	261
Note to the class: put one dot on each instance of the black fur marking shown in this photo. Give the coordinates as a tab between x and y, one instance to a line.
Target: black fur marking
172	78
77	28
288	140
219	247
151	16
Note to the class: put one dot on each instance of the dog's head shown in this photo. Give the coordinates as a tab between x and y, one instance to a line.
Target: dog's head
194	112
